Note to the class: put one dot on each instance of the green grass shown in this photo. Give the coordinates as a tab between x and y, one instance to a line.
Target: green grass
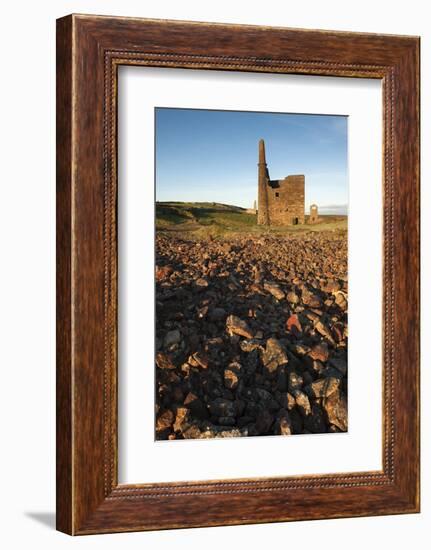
202	219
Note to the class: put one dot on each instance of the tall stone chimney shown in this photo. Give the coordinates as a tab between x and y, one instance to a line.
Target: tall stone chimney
263	178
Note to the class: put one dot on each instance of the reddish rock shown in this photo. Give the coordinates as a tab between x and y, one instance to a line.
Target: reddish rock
293	324
163	272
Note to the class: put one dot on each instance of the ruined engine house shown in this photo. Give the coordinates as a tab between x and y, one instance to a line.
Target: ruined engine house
280	202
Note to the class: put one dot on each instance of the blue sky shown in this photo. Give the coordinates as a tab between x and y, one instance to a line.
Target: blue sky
211	156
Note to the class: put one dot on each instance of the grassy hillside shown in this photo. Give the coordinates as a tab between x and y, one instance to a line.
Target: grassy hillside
206	218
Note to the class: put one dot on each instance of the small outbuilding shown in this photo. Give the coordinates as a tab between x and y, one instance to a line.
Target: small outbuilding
314	214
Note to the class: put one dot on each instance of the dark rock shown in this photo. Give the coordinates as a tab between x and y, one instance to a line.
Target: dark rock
330	372
171	338
239	405
297	421
282	380
197	408
217	314
340	364
315	422
244	421
264	422
222	407
307	377
226	421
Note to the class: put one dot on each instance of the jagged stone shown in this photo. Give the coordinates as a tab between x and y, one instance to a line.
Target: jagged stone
323	387
302	402
163	361
274	289
335	407
274	355
235	325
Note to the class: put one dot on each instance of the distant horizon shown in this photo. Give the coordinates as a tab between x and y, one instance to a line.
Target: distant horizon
211	156
324	210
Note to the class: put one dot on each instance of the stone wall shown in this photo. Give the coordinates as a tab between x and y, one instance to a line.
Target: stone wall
286	201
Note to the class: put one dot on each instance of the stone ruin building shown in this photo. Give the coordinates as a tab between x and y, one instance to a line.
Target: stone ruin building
314	214
280	202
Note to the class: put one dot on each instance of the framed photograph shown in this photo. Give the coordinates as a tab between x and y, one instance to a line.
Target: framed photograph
237	274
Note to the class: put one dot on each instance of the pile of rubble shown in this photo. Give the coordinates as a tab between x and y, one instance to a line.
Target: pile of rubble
251	336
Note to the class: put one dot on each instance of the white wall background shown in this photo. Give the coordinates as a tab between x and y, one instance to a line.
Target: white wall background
27	309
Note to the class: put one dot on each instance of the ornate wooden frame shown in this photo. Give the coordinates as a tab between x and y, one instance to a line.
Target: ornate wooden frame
89	50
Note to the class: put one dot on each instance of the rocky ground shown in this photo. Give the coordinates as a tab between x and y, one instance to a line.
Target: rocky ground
251	335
